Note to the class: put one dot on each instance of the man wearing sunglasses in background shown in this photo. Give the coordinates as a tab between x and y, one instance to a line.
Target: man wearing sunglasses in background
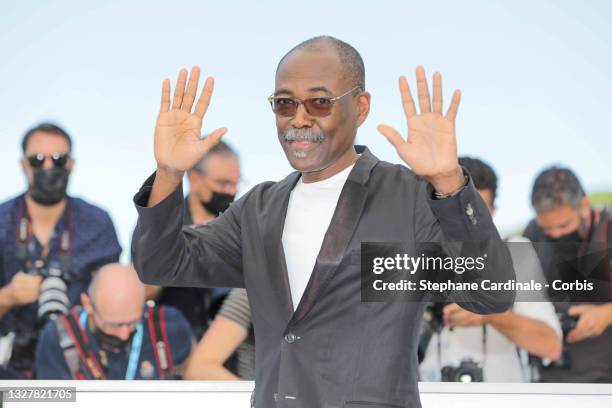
49	245
114	336
296	244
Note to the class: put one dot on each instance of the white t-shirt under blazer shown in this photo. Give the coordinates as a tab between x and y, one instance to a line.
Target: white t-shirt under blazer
310	210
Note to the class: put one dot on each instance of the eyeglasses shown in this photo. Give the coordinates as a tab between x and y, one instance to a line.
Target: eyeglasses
113	325
320	106
38	159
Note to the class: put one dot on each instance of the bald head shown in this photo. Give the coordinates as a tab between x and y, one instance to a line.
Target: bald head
353	69
117	293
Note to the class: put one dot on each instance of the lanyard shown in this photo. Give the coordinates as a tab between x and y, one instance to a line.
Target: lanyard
130	373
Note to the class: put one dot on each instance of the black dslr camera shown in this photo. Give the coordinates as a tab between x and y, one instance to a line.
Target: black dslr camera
467	371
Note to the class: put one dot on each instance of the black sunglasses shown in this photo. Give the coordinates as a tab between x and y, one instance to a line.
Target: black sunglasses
38	159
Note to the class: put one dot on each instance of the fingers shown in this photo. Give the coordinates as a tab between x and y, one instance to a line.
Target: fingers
192	88
437	93
184	97
450	308
211	140
165	99
572	336
392	135
204	100
407	101
423	92
578	309
460	318
451	114
22	279
584	329
179	89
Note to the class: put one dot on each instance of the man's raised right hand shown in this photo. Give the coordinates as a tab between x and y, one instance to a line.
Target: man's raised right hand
178	142
178	145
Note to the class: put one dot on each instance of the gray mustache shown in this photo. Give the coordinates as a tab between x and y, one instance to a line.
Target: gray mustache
295	135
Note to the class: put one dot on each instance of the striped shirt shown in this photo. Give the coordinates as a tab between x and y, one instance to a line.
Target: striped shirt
236	308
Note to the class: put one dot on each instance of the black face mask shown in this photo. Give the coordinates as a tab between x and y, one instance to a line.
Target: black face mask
218	203
49	186
111	343
567	249
572	237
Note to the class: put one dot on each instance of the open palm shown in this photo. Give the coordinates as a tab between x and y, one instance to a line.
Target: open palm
178	142
430	147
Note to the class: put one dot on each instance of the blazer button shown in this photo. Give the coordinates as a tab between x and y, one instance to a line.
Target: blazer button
290	338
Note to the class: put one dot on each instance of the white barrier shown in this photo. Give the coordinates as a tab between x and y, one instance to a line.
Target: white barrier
203	394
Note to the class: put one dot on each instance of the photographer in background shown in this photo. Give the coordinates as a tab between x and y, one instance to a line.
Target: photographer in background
122	338
230	334
458	345
574	245
49	245
213	184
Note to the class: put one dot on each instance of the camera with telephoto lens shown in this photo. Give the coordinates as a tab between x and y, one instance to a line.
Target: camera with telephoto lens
433	322
53	299
467	371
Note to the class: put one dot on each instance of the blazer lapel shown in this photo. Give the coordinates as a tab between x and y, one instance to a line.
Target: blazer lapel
273	222
340	231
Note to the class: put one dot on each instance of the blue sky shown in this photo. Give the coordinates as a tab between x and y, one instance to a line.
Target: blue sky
536	81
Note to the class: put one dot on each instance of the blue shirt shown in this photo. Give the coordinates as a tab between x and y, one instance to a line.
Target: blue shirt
51	363
93	244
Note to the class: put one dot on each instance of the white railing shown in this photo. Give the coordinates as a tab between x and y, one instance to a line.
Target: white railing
227	394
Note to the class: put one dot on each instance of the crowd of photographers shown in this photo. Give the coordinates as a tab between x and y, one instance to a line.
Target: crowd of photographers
68	310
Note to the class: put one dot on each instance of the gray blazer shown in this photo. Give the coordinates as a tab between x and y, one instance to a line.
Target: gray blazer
333	350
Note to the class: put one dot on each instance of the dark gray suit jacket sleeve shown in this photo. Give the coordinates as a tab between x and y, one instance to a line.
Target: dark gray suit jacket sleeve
463	225
167	253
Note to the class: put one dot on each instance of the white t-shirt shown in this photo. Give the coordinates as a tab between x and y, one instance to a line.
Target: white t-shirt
310	210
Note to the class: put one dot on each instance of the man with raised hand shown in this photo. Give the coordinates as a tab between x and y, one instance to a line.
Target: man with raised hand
296	244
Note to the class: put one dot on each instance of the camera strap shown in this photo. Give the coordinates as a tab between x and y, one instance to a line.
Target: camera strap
135	348
484	346
159	338
606	237
75	344
68	345
76	339
24	236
